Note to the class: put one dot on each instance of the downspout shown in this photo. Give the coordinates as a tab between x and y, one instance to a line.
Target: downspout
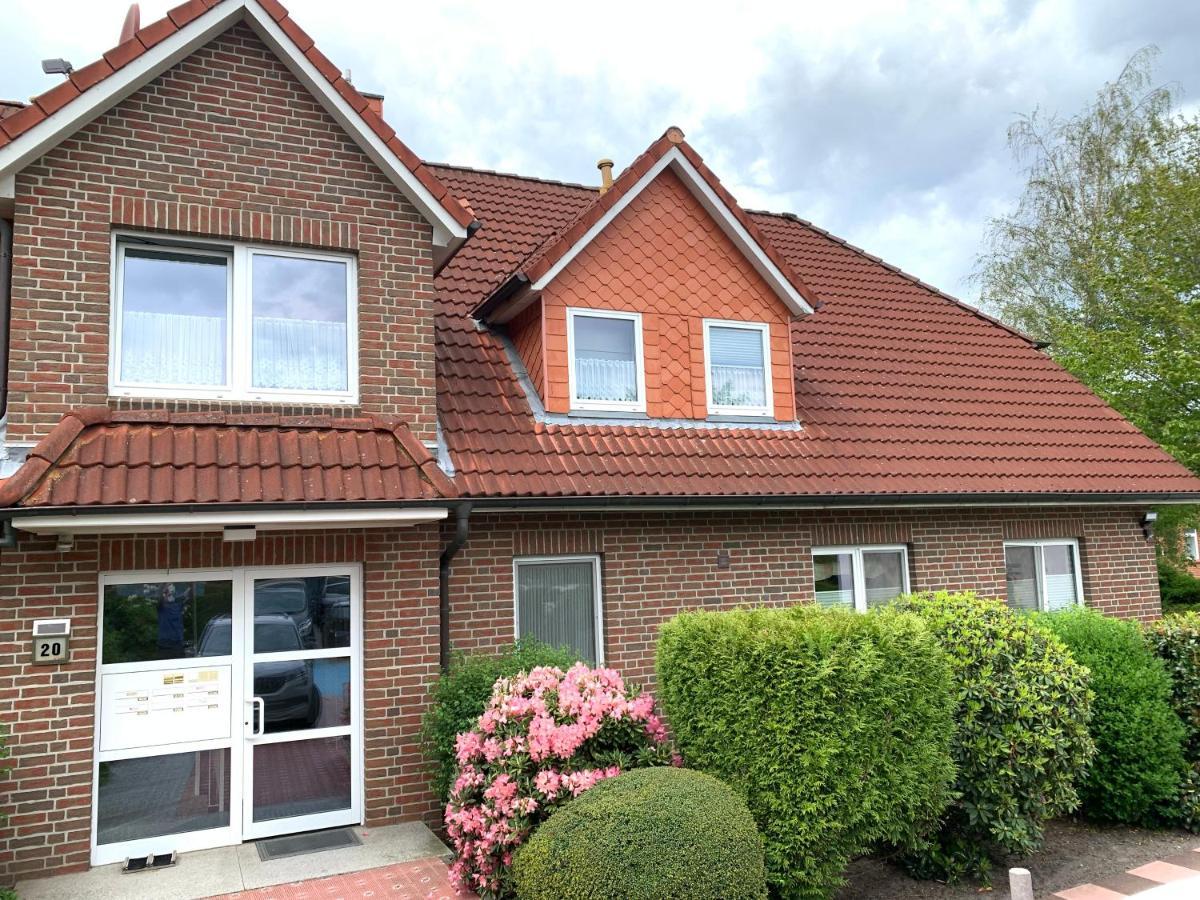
462	528
6	269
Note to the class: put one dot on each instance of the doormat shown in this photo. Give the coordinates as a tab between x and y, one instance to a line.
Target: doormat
309	842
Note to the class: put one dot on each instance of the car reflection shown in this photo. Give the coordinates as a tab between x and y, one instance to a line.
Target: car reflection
287	687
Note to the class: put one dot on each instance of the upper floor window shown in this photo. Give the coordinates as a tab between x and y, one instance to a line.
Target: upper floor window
1042	575
233	321
737	361
604	360
859	578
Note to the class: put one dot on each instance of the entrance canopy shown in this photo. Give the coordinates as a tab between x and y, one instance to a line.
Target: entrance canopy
109	472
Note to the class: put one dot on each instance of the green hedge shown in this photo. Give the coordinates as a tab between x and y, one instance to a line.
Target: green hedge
834	726
1135	776
1175	639
460	696
645	835
1023	706
1180	589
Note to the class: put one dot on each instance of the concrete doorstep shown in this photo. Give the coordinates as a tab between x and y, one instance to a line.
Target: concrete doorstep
226	870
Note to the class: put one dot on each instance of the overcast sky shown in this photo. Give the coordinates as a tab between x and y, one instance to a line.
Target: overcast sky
882	122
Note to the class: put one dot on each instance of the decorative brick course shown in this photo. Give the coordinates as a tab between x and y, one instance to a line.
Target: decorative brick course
226	144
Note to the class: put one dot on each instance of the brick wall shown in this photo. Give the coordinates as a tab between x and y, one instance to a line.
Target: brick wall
226	144
655	564
51	708
665	257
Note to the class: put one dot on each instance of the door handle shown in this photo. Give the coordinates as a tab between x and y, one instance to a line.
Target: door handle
262	718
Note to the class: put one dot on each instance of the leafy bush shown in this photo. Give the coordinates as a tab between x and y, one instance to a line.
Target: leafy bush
645	835
1023	706
545	737
461	695
1180	589
1175	639
834	726
1135	775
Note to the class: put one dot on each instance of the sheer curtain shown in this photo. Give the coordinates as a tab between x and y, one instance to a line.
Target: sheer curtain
172	348
738	370
605	359
556	604
299	354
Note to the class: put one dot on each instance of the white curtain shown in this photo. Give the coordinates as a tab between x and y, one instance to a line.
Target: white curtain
170	348
605	379
737	367
556	605
299	354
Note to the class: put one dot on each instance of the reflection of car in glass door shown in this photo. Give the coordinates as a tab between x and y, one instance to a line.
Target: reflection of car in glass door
286	687
289	597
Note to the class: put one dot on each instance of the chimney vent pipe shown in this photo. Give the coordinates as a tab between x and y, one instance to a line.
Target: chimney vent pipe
605	166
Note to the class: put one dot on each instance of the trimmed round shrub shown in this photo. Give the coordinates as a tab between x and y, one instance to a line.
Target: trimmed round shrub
1135	776
834	726
1175	639
546	737
460	696
646	835
1022	710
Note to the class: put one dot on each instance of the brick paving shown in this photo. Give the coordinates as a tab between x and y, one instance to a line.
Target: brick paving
422	879
1134	881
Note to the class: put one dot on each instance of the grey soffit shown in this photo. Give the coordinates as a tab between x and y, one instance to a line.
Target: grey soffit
309	842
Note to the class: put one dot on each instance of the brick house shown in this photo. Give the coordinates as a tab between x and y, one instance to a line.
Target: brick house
291	415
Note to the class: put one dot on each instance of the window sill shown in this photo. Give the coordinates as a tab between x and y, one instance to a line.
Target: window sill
183	394
748	419
606	414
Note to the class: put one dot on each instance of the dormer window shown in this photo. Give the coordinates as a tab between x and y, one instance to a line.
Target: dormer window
605	367
233	322
737	361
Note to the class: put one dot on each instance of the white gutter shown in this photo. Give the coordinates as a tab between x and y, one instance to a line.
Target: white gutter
294	520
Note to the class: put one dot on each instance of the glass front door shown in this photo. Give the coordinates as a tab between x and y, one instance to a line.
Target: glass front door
228	707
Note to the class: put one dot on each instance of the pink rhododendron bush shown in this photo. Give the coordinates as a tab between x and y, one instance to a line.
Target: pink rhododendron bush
545	737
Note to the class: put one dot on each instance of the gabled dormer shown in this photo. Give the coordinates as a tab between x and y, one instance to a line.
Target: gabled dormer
660	301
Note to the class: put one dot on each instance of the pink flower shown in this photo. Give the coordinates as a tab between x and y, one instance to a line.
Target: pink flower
533	750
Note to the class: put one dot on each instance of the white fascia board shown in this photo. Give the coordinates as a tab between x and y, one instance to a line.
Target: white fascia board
714	206
116	87
266	520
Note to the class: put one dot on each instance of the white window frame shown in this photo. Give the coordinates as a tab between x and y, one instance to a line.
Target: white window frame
1039	566
858	573
239	313
597	593
1191	545
715	409
638	405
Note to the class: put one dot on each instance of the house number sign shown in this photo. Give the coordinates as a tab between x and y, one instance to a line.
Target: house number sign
51	640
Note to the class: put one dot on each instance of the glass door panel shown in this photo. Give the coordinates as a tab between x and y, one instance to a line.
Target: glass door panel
302	701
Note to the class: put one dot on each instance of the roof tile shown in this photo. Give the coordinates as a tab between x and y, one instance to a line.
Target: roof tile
219	460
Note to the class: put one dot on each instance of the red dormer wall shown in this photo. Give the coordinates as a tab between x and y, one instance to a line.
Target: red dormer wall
664	257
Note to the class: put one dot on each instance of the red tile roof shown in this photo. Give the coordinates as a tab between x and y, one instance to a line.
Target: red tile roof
101	457
542	258
900	389
14	123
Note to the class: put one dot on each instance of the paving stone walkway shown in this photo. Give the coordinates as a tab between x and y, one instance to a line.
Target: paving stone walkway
1143	878
422	879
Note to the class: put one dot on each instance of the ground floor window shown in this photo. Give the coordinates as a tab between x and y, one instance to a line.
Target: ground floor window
558	602
859	578
1043	575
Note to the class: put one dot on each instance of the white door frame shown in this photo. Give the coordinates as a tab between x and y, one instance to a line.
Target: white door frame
252	830
238	744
